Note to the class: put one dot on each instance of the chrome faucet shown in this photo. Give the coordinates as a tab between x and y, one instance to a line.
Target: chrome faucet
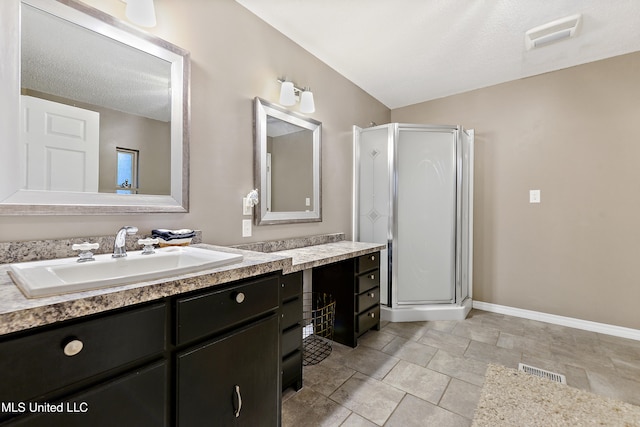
120	245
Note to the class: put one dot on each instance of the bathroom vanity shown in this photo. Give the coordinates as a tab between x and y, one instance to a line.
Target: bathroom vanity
214	346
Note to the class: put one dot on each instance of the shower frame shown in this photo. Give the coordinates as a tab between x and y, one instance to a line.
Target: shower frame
460	304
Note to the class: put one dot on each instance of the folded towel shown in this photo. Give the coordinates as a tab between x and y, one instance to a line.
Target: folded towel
168	235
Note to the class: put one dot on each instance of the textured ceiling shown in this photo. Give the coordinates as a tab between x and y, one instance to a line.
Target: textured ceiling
407	51
66	60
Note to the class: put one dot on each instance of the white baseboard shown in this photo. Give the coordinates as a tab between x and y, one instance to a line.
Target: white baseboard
603	328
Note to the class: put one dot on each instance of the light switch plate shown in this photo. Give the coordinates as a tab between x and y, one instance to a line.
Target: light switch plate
534	196
246	210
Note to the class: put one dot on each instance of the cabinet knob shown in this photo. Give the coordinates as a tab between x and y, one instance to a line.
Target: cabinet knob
239	297
372	277
372	314
372	294
373	257
73	347
282	284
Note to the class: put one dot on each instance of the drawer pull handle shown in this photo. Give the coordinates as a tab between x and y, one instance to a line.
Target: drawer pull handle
372	294
73	347
240	297
372	277
373	315
373	257
239	397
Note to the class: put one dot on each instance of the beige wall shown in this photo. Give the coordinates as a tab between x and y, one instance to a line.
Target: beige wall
573	135
235	57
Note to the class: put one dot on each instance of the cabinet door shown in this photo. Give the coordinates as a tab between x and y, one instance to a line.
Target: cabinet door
137	399
233	380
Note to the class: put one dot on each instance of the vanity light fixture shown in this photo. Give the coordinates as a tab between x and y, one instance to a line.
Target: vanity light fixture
289	92
141	12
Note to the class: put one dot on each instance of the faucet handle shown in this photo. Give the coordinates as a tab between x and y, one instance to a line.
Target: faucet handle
85	250
148	245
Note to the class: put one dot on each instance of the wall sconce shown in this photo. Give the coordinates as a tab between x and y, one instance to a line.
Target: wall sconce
141	12
288	93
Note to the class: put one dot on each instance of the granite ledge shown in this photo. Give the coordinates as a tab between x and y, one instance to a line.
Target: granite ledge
19	313
328	253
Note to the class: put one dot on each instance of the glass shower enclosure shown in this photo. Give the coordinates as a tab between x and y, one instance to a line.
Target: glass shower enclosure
413	191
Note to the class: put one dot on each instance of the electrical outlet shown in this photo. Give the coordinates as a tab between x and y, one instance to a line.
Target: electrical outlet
246	228
534	196
307	201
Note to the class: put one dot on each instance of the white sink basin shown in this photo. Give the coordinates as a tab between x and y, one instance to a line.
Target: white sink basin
58	276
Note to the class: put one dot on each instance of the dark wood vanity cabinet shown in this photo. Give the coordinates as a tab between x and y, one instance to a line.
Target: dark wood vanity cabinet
355	285
232	377
98	371
291	329
210	357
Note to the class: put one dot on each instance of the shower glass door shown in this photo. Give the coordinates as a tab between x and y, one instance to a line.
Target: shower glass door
424	232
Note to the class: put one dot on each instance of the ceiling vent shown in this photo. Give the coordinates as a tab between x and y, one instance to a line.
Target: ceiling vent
552	32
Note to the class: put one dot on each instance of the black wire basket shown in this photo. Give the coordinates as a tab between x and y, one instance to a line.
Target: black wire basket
319	310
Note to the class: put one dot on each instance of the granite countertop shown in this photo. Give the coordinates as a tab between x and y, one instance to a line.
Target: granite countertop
315	256
18	312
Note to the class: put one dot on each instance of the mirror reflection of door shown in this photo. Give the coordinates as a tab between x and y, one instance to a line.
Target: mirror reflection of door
290	173
60	146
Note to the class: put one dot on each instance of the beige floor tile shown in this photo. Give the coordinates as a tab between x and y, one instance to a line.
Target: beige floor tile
412	351
310	408
326	377
416	412
492	354
476	332
368	397
421	382
393	378
469	370
450	343
355	420
370	362
461	397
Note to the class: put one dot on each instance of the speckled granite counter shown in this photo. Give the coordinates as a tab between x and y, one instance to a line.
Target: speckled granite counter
315	256
18	312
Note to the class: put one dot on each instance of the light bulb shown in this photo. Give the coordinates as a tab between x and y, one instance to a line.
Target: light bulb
306	102
287	94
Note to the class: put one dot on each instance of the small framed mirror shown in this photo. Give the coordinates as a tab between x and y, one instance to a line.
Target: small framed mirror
287	165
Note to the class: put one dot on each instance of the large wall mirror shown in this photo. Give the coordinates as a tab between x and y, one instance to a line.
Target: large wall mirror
287	165
96	113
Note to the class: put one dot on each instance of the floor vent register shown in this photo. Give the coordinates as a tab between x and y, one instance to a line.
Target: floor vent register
542	373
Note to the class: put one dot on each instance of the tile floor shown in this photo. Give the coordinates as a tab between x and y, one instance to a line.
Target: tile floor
431	373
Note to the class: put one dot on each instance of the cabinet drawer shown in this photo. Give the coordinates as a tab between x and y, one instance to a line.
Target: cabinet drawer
291	313
290	286
291	340
210	312
36	364
368	319
367	281
367	299
368	262
292	368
